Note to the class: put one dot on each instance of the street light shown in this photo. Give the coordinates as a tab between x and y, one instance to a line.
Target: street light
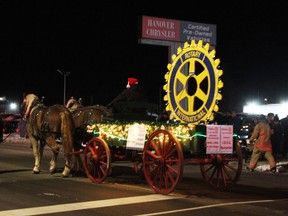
64	74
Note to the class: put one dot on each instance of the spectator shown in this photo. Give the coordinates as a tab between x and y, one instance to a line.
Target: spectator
284	149
227	117
270	118
235	121
163	117
22	128
1	128
276	137
262	145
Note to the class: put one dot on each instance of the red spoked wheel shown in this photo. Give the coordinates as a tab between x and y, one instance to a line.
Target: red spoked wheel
97	160
224	170
162	161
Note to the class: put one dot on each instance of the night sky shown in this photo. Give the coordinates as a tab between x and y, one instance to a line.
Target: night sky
97	43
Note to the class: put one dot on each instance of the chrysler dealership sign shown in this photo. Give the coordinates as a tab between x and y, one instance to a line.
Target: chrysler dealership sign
178	31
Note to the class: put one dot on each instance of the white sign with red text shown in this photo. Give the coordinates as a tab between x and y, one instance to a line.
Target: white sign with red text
219	139
136	136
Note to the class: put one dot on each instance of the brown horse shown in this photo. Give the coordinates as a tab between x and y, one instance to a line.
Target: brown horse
83	115
44	125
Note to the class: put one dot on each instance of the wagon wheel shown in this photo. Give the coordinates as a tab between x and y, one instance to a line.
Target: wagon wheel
224	170
162	161
97	160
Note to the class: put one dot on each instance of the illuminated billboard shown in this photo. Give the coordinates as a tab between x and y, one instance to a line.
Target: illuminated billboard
178	31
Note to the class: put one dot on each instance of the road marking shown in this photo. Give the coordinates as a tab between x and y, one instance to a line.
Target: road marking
204	207
85	205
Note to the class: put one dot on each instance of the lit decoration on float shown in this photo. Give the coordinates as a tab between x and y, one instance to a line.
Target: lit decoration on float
118	132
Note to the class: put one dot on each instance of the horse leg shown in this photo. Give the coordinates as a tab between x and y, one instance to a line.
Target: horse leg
78	167
67	169
80	164
53	161
67	131
67	145
55	147
36	153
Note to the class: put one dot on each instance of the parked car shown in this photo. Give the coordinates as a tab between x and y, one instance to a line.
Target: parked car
10	122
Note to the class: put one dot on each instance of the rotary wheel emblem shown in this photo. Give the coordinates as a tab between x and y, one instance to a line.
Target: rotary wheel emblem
192	84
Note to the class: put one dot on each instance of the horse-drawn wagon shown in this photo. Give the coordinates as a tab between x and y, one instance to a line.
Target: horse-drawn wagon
161	150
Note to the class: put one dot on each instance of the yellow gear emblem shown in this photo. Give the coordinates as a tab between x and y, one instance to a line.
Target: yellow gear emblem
193	83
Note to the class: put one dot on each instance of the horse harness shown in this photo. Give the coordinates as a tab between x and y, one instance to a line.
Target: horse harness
88	117
36	110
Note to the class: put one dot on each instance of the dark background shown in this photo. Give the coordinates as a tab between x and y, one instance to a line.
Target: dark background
97	43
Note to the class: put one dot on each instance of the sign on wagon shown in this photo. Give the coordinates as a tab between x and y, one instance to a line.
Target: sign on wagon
219	139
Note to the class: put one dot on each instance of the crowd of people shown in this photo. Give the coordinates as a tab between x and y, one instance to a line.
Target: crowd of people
269	137
279	134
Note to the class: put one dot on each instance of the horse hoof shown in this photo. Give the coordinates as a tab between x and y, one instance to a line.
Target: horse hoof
36	170
65	173
51	171
65	176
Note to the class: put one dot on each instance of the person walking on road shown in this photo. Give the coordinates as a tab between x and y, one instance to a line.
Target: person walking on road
262	145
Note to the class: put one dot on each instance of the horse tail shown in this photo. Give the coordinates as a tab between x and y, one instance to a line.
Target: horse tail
67	131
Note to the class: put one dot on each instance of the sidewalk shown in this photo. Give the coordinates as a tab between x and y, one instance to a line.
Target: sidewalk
14	137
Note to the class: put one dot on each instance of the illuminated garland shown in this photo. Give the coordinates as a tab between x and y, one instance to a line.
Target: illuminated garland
118	131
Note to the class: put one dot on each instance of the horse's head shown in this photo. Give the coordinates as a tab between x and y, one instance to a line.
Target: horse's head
73	104
28	103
